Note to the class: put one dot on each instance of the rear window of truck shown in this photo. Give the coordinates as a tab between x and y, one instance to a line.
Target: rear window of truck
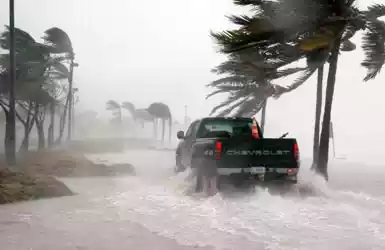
222	127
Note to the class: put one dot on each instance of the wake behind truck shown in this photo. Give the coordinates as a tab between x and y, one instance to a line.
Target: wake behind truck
234	150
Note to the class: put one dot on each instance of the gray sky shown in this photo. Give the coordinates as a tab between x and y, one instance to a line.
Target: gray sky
161	51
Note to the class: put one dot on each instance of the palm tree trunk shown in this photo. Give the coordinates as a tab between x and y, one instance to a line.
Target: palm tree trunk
163	129
323	155
120	122
317	121
28	124
27	131
169	129
62	122
155	122
10	127
40	134
263	116
70	98
51	127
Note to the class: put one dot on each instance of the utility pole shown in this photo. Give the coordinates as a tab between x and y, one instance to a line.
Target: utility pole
11	122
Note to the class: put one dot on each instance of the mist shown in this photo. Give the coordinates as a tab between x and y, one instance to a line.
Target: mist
130	52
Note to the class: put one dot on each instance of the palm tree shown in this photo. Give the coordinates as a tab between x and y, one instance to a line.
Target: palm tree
313	29
62	44
130	108
11	40
249	81
34	66
142	116
116	108
161	111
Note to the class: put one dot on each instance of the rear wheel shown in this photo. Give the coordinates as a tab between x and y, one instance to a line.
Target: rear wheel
178	165
199	179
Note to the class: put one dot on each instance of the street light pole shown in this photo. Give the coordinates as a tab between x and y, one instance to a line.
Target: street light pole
11	123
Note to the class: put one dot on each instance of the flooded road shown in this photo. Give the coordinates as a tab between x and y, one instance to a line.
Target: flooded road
152	211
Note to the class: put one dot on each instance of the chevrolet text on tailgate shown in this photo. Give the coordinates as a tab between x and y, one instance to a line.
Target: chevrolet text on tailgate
234	149
210	152
258	152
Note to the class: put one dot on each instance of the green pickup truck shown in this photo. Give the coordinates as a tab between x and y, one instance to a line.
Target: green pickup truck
226	148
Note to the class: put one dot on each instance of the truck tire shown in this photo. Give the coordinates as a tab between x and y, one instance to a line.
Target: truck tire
178	165
200	174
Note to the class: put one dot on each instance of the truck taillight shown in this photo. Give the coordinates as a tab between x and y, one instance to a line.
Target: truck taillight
296	151
254	131
218	150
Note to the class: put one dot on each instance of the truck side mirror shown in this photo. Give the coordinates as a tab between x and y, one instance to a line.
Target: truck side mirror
180	135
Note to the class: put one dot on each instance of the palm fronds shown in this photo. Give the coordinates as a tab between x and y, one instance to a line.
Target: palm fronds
112	105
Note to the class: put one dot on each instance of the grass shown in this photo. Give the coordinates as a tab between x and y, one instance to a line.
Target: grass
36	172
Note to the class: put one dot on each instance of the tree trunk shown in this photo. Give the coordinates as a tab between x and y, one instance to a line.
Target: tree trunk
317	121
323	155
27	131
70	98
25	143
263	116
169	129
28	124
40	134
10	142
155	122
51	133
120	123
163	129
62	123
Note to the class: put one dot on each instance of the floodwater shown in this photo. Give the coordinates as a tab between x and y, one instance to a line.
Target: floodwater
153	211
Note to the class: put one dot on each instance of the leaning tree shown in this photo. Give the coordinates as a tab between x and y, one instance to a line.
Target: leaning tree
248	81
317	30
161	111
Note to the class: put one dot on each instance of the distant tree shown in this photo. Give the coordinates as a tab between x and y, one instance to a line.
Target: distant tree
161	111
116	109
36	68
61	44
130	108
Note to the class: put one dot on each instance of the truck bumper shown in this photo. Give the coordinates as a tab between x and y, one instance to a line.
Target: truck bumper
276	177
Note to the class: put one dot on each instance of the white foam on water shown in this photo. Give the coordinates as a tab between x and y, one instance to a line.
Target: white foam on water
315	215
347	213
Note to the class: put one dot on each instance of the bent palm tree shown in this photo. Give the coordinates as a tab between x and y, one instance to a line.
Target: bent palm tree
116	109
142	116
37	70
161	111
130	108
314	27
60	43
248	82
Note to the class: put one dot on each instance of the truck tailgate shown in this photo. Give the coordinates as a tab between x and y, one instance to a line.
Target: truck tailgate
249	152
